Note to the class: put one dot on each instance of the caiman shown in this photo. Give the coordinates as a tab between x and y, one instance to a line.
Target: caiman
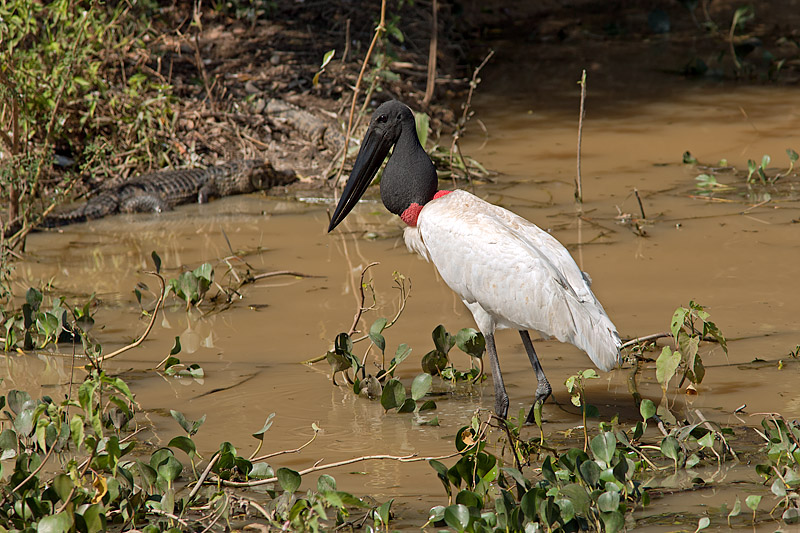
161	191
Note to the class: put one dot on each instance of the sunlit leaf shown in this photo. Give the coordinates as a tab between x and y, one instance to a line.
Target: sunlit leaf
393	395
457	517
288	479
421	386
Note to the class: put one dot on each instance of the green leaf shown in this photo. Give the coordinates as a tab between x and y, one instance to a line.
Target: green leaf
402	352
703	523
442	339
471	341
422	122
394	395
608	501
327	58
57	523
457	517
753	501
737	508
707	440
792	155
184	443
170	469
647	409
325	482
289	479
375	334
603	446
778	488
666	365
613	521
677	321
421	386
408	406
434	362
590	472
176	348
260	433
63	485
156	261
95	518
578	496
670	447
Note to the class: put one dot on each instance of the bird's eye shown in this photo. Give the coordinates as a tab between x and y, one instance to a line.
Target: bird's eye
399	116
383	118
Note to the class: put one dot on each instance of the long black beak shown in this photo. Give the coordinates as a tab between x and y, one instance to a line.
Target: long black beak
373	151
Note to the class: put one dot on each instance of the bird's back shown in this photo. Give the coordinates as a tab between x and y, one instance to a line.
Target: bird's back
517	274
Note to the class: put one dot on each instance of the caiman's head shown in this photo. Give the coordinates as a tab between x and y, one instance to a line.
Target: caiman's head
263	175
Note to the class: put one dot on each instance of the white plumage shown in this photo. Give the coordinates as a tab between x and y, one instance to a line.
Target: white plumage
512	274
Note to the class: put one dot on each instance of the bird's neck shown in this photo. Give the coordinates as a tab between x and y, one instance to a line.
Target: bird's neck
409	180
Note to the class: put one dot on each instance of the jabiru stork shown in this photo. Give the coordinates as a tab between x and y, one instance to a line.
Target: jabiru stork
507	271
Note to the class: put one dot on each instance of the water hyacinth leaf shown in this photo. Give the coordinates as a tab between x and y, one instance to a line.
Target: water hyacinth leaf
666	365
578	496
567	509
590	472
753	501
528	504
427	405
181	419
457	517
421	386
261	470
400	355
436	514
393	395
289	479
737	509
8	443
170	469
338	362
608	501
434	362
703	523
384	511
409	406
647	409
471	341
778	488
706	440
603	446
176	348
17	399
791	515
267	424
375	334
670	447
613	521
185	444
469	499
326	483
442	339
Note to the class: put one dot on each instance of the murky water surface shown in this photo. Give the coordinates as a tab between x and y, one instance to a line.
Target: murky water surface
738	256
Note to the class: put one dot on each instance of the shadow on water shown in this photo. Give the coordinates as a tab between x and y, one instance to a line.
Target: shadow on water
735	257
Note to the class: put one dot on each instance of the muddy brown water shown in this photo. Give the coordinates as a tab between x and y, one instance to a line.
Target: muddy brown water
737	258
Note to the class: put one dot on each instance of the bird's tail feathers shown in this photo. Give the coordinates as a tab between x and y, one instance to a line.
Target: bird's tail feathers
595	334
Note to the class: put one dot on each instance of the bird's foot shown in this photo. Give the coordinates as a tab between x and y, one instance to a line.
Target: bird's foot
543	391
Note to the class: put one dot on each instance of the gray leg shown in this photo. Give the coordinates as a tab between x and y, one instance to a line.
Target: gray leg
543	389
500	394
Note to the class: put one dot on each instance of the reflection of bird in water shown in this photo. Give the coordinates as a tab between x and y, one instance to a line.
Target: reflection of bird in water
507	271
